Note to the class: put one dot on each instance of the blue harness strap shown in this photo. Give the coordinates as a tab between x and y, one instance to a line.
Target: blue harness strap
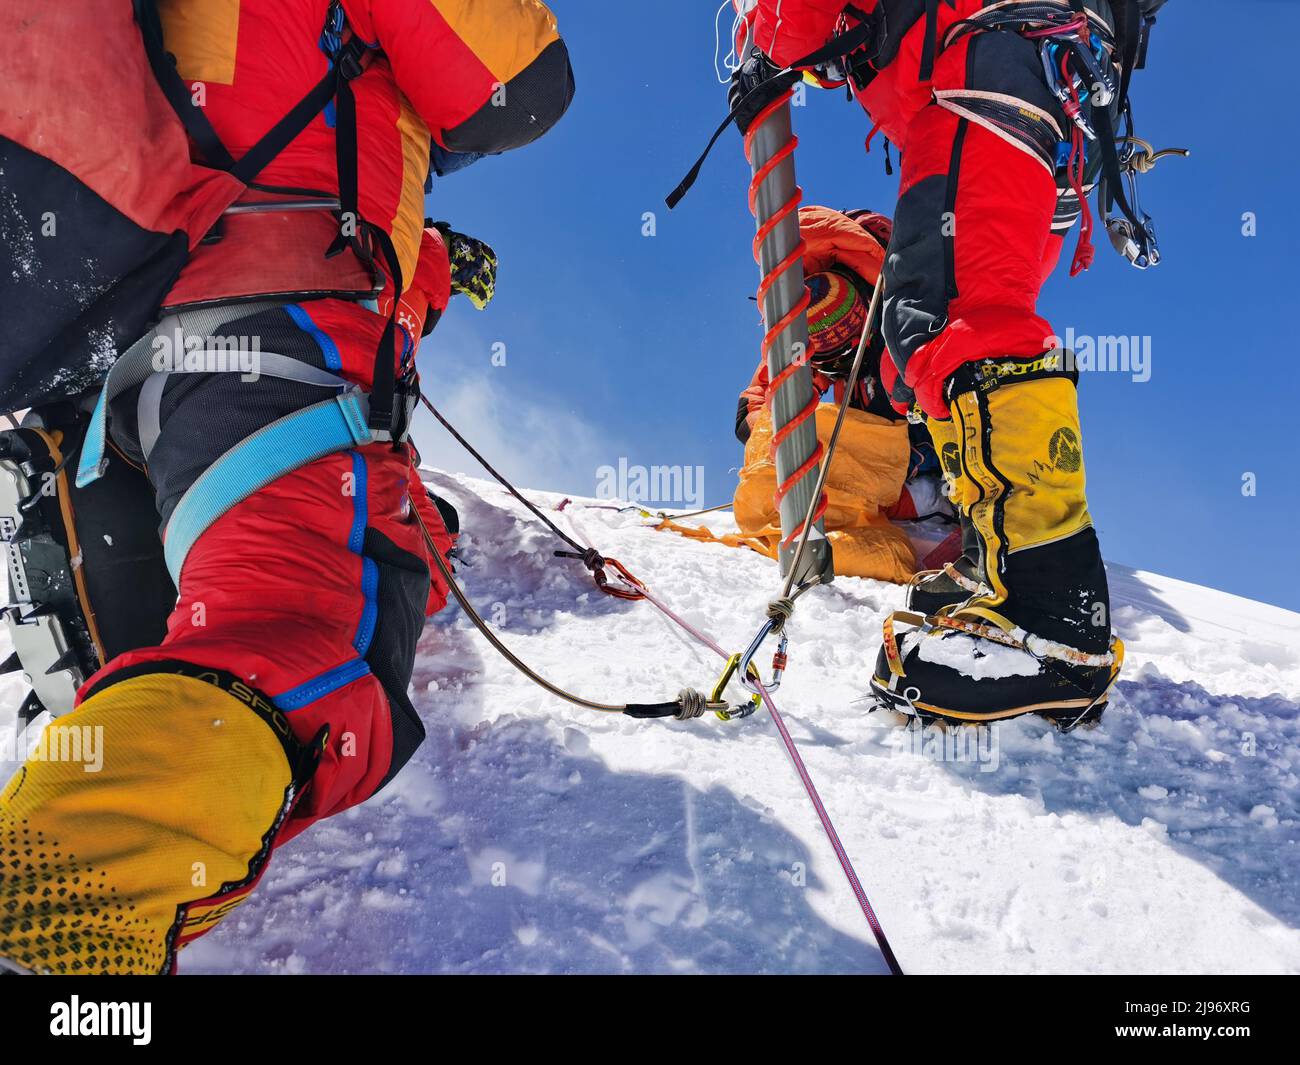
336	424
91	465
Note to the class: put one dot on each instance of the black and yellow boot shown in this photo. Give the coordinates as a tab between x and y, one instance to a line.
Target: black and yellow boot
933	590
1037	639
142	819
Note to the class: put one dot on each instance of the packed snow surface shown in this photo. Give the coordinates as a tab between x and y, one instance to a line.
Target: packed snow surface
531	836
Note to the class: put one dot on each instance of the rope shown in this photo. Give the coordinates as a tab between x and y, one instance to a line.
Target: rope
537	513
846	863
805	778
780	611
690	703
589	556
1144	159
695	513
693	704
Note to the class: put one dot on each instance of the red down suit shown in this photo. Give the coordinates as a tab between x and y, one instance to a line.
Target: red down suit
981	213
314	589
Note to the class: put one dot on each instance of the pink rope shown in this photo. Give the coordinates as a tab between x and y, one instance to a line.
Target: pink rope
846	863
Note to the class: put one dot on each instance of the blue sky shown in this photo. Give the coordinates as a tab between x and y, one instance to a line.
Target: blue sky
618	345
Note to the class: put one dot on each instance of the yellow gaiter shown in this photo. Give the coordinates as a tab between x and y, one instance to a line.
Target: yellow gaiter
141	819
1022	487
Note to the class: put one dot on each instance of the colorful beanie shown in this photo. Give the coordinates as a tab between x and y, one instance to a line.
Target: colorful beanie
836	317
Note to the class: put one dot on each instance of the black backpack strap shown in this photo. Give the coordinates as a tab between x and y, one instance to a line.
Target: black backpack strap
1130	41
383	391
930	49
281	135
346	66
177	92
345	147
361	236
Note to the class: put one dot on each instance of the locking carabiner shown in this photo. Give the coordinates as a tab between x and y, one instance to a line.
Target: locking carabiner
779	659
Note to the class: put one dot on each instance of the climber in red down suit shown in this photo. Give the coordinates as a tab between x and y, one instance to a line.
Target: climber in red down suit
279	695
985	200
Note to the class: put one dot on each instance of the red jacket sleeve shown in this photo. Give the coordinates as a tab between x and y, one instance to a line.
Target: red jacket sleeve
429	290
787	30
485	75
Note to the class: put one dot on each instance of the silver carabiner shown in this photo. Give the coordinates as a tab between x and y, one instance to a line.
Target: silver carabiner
746	660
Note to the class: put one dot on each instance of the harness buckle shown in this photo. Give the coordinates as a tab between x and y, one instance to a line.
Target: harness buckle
348	59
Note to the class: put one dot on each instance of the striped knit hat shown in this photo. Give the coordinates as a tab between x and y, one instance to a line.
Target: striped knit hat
836	318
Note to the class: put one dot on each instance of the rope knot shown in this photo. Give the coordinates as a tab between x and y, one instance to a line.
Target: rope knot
780	611
592	560
693	704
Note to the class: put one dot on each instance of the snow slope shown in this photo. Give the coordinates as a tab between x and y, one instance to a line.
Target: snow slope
530	836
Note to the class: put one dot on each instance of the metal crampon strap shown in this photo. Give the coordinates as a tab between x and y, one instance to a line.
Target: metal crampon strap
1018	640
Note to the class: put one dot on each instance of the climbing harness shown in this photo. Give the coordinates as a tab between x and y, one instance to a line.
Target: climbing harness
1087	67
351	417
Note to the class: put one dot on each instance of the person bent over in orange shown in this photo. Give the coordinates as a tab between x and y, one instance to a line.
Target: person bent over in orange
884	467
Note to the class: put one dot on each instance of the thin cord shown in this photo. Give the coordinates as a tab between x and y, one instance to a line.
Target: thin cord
867	333
500	479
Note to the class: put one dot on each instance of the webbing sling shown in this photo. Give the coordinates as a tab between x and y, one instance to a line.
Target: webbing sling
273	451
293	441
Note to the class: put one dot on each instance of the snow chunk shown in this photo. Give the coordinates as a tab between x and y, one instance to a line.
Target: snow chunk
976	658
1265	815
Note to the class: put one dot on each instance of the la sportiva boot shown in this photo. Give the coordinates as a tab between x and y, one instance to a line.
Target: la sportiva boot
1037	639
86	575
143	819
932	590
